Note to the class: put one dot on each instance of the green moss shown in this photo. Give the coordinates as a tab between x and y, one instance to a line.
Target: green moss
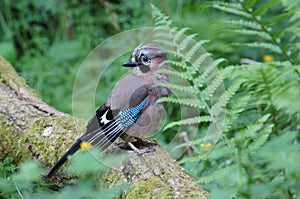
11	144
63	133
151	187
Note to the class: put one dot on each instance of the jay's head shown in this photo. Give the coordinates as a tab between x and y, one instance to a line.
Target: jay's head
147	58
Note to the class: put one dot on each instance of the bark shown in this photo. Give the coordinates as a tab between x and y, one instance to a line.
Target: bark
31	129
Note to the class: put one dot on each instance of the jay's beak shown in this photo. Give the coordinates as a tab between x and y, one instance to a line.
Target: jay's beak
130	64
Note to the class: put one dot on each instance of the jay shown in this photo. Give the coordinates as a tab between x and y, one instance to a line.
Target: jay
130	111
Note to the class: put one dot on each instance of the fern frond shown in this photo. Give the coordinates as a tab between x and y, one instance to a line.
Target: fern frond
192	51
261	139
215	83
200	60
252	33
218	174
179	35
225	97
189	121
233	8
199	82
251	130
196	103
269	46
165	42
234	111
178	64
175	54
228	72
244	23
161	34
160	19
181	88
186	42
209	69
175	73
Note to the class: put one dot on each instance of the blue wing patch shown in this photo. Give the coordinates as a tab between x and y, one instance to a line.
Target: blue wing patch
130	115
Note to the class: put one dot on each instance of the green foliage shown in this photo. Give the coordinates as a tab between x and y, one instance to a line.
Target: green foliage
23	182
188	57
7	167
28	181
266	32
258	152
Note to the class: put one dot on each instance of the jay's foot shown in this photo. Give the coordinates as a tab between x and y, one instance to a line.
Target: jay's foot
140	151
139	146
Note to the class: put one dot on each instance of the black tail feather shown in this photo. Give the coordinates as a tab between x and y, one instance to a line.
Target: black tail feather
75	147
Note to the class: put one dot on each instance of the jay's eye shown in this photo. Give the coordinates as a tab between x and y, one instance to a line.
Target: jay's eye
145	59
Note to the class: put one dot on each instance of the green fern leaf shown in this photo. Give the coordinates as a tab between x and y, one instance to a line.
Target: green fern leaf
218	107
233	8
192	51
188	121
261	139
179	35
252	33
243	23
268	46
221	173
276	19
262	9
175	73
163	40
178	64
181	88
201	60
185	43
196	103
215	84
209	69
234	111
250	132
199	82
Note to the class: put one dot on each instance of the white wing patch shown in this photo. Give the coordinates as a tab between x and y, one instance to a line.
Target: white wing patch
104	120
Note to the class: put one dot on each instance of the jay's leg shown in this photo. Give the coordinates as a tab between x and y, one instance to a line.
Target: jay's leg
140	145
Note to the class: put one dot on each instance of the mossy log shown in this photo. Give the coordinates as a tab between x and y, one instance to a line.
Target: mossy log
31	129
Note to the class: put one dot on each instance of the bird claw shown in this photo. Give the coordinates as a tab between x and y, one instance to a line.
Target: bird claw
140	146
140	151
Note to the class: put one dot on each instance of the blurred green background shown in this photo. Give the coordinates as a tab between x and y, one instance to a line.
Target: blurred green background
47	41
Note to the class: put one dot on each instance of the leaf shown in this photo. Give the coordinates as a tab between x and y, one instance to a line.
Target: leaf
188	121
277	18
196	103
262	34
261	139
188	89
244	23
282	153
262	9
268	46
233	8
